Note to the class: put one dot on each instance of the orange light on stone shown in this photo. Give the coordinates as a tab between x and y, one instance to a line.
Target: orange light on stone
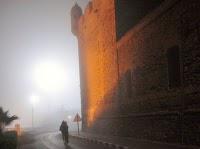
97	38
91	116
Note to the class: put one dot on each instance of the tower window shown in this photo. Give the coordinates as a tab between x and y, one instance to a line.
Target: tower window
174	74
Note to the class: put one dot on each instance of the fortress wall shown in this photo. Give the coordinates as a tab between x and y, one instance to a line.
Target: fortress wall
156	111
97	47
126	80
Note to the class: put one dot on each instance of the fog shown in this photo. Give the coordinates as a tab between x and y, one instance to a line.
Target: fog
34	33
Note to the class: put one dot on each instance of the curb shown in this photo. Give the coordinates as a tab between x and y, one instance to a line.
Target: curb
95	141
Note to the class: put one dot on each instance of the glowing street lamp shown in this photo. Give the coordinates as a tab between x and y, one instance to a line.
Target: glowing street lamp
69	117
34	100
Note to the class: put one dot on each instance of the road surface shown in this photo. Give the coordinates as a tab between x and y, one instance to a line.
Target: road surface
53	140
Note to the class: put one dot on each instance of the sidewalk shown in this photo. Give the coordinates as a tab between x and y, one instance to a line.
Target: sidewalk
127	143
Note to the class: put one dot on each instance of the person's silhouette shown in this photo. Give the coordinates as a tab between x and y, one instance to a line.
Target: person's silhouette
64	131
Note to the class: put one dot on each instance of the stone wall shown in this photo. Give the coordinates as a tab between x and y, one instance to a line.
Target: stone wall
98	58
159	112
125	89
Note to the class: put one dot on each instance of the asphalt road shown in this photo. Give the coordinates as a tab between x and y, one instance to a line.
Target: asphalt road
53	140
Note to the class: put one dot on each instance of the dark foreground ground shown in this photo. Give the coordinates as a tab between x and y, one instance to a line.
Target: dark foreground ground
53	140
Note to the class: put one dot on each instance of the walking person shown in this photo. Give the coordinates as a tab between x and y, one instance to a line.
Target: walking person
64	131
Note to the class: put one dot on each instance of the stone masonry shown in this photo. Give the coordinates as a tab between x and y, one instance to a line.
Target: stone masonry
140	75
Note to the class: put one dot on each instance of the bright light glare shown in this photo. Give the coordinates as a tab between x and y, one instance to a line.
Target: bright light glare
34	100
69	117
50	76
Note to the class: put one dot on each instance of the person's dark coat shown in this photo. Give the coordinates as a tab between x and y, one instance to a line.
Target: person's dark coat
64	130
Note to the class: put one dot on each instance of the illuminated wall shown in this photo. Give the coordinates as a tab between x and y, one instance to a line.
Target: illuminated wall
125	81
99	58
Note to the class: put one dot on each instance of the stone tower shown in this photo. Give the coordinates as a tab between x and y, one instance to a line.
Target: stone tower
139	69
76	13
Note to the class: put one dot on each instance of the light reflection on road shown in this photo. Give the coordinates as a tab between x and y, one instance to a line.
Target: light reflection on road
53	140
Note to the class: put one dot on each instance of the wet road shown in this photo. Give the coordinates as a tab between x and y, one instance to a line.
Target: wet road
53	140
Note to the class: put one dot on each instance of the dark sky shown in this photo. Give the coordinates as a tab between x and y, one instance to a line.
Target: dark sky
32	32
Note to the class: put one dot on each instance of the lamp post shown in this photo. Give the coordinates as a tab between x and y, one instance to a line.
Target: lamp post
34	100
32	116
